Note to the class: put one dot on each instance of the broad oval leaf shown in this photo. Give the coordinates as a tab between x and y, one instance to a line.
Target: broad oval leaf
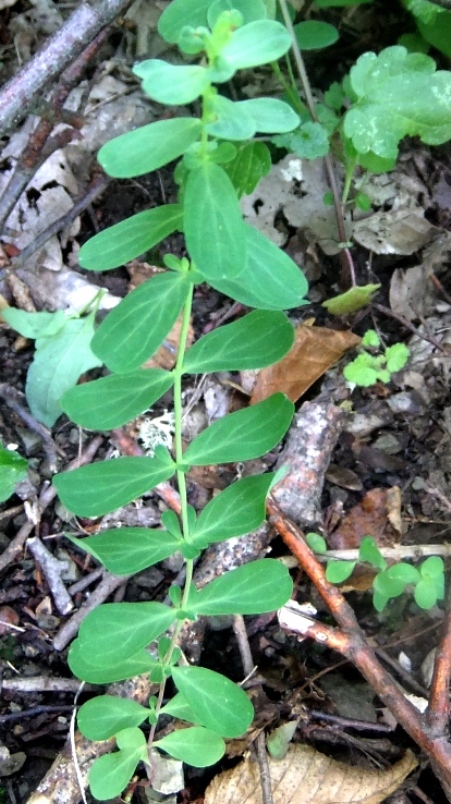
109	402
102	487
149	147
237	510
115	631
110	774
270	115
125	551
81	667
172	84
128	239
231	120
255	588
259	42
258	339
196	746
134	330
218	703
243	435
102	717
213	225
180	13
270	279
315	34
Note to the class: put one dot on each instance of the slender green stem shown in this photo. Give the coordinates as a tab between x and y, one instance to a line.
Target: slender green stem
178	411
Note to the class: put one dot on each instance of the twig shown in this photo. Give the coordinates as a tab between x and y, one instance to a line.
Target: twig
52	568
36	710
407	324
61	49
42	684
438	711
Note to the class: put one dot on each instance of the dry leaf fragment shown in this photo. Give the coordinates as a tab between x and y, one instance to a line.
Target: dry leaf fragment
315	350
304	776
377	515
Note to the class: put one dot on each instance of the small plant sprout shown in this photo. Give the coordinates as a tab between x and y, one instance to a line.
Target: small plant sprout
372	366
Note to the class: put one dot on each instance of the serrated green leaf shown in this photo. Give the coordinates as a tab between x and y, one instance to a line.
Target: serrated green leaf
220	705
259	42
110	774
339	571
211	206
258	339
57	366
115	631
125	551
181	13
237	510
398	94
133	331
230	119
352	300
309	141
261	586
102	487
107	403
270	279
149	147
362	371
243	435
251	162
397	357
128	239
34	325
315	34
172	84
104	716
82	668
197	746
371	338
270	115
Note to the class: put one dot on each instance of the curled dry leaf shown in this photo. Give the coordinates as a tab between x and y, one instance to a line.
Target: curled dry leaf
377	515
315	350
305	776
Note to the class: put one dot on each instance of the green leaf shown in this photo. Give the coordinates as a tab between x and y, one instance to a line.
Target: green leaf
270	114
102	717
250	9
388	587
362	371
309	141
339	3
230	120
115	631
338	571
398	94
352	300
172	84
110	774
261	586
125	551
369	551
34	325
218	703
404	572
132	666
57	365
279	739
251	163
380	601
259	42
179	708
213	225
371	339
102	487
107	403
438	32
237	510
270	279
196	746
128	239
432	567
243	435
315	34
397	357
13	469
258	339
316	543
425	594
148	148
181	13
134	330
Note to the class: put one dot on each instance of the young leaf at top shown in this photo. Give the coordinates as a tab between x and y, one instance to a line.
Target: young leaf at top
110	774
107	403
128	239
398	94
243	435
211	205
102	487
172	84
134	330
149	147
125	551
102	717
251	162
259	42
197	746
13	469
237	510
254	588
258	339
218	703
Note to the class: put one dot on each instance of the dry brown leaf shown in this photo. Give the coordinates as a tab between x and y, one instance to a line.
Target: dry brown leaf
377	515
166	355
305	776
315	350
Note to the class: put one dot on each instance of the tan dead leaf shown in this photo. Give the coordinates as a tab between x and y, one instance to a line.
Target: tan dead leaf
377	515
315	350
166	355
305	776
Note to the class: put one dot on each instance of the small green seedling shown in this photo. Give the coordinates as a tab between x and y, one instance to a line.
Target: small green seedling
369	367
13	469
427	581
